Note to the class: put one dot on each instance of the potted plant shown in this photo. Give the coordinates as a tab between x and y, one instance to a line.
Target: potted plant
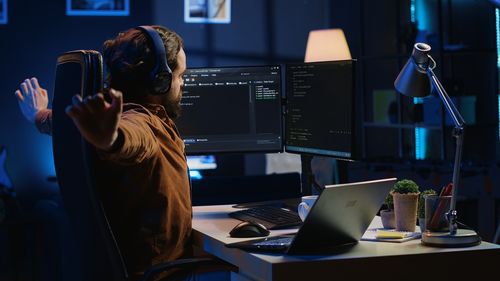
405	195
387	215
421	207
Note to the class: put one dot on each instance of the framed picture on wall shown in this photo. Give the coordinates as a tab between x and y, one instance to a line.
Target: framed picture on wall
207	11
97	7
3	11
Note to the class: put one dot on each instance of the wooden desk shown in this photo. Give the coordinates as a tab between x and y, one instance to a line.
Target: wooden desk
374	260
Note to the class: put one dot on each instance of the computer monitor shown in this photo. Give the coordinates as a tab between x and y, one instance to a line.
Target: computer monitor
201	162
231	109
320	116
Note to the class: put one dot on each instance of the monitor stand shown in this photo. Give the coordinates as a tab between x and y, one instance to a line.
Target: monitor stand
308	179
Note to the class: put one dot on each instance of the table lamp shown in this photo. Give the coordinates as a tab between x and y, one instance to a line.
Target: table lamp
415	80
327	45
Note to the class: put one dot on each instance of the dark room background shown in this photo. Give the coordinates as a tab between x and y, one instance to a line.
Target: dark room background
380	34
261	32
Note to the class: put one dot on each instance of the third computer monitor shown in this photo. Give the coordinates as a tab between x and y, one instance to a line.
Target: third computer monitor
320	117
231	109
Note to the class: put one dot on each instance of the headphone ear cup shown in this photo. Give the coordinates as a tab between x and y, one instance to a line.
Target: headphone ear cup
162	83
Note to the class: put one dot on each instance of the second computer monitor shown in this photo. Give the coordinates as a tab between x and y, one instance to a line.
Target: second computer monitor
320	117
231	109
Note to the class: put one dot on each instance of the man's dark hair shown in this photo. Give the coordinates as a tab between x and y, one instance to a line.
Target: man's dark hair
129	59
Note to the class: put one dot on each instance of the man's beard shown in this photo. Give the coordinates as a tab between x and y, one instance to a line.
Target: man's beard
172	106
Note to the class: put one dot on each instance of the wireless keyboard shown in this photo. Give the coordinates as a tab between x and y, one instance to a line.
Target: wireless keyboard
271	217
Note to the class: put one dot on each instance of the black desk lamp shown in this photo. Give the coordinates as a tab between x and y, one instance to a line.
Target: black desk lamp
413	81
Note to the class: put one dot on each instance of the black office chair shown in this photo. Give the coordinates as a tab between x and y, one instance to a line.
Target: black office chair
80	72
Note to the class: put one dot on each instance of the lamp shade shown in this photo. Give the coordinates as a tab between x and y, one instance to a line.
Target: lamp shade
413	81
327	45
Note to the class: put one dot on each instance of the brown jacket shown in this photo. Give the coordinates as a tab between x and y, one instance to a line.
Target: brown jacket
145	187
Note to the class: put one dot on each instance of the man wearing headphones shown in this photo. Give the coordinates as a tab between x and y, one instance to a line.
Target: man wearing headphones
147	194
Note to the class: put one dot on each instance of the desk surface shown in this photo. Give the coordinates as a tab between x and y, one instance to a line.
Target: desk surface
211	227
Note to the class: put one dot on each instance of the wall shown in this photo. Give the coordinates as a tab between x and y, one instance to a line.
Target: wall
260	31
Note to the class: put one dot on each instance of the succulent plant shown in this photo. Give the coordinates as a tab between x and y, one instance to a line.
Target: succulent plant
405	186
421	201
389	201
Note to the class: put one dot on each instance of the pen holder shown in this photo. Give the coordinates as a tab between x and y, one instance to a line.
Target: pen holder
436	208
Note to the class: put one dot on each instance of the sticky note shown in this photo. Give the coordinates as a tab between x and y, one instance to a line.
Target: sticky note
392	234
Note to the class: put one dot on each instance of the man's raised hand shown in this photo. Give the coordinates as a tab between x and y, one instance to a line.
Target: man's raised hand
96	119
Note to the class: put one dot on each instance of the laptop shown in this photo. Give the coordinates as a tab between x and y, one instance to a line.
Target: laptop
338	220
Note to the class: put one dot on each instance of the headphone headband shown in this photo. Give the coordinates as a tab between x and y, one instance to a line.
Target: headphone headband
161	74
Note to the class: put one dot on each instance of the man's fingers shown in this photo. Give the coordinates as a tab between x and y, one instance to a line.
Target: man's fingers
73	111
19	96
117	100
91	104
76	100
99	100
44	92
24	88
34	83
30	86
20	101
79	104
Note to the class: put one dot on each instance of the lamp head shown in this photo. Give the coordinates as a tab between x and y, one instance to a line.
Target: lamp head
413	81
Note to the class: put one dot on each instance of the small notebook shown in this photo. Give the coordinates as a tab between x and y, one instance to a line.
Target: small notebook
390	235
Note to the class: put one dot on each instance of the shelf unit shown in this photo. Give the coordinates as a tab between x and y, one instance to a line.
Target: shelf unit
399	127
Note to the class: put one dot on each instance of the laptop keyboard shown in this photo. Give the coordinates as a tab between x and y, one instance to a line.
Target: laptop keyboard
271	217
275	243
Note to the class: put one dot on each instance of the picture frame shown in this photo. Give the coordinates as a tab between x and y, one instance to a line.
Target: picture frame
97	7
3	12
207	11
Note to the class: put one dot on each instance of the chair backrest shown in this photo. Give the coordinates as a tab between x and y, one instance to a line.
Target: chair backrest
80	72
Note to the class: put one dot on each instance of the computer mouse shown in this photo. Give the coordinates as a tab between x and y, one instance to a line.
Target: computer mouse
249	229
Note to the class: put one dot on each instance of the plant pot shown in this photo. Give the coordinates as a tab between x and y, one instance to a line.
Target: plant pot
405	210
388	218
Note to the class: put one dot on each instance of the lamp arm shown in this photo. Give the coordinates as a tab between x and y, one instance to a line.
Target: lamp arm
445	98
452	213
458	134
